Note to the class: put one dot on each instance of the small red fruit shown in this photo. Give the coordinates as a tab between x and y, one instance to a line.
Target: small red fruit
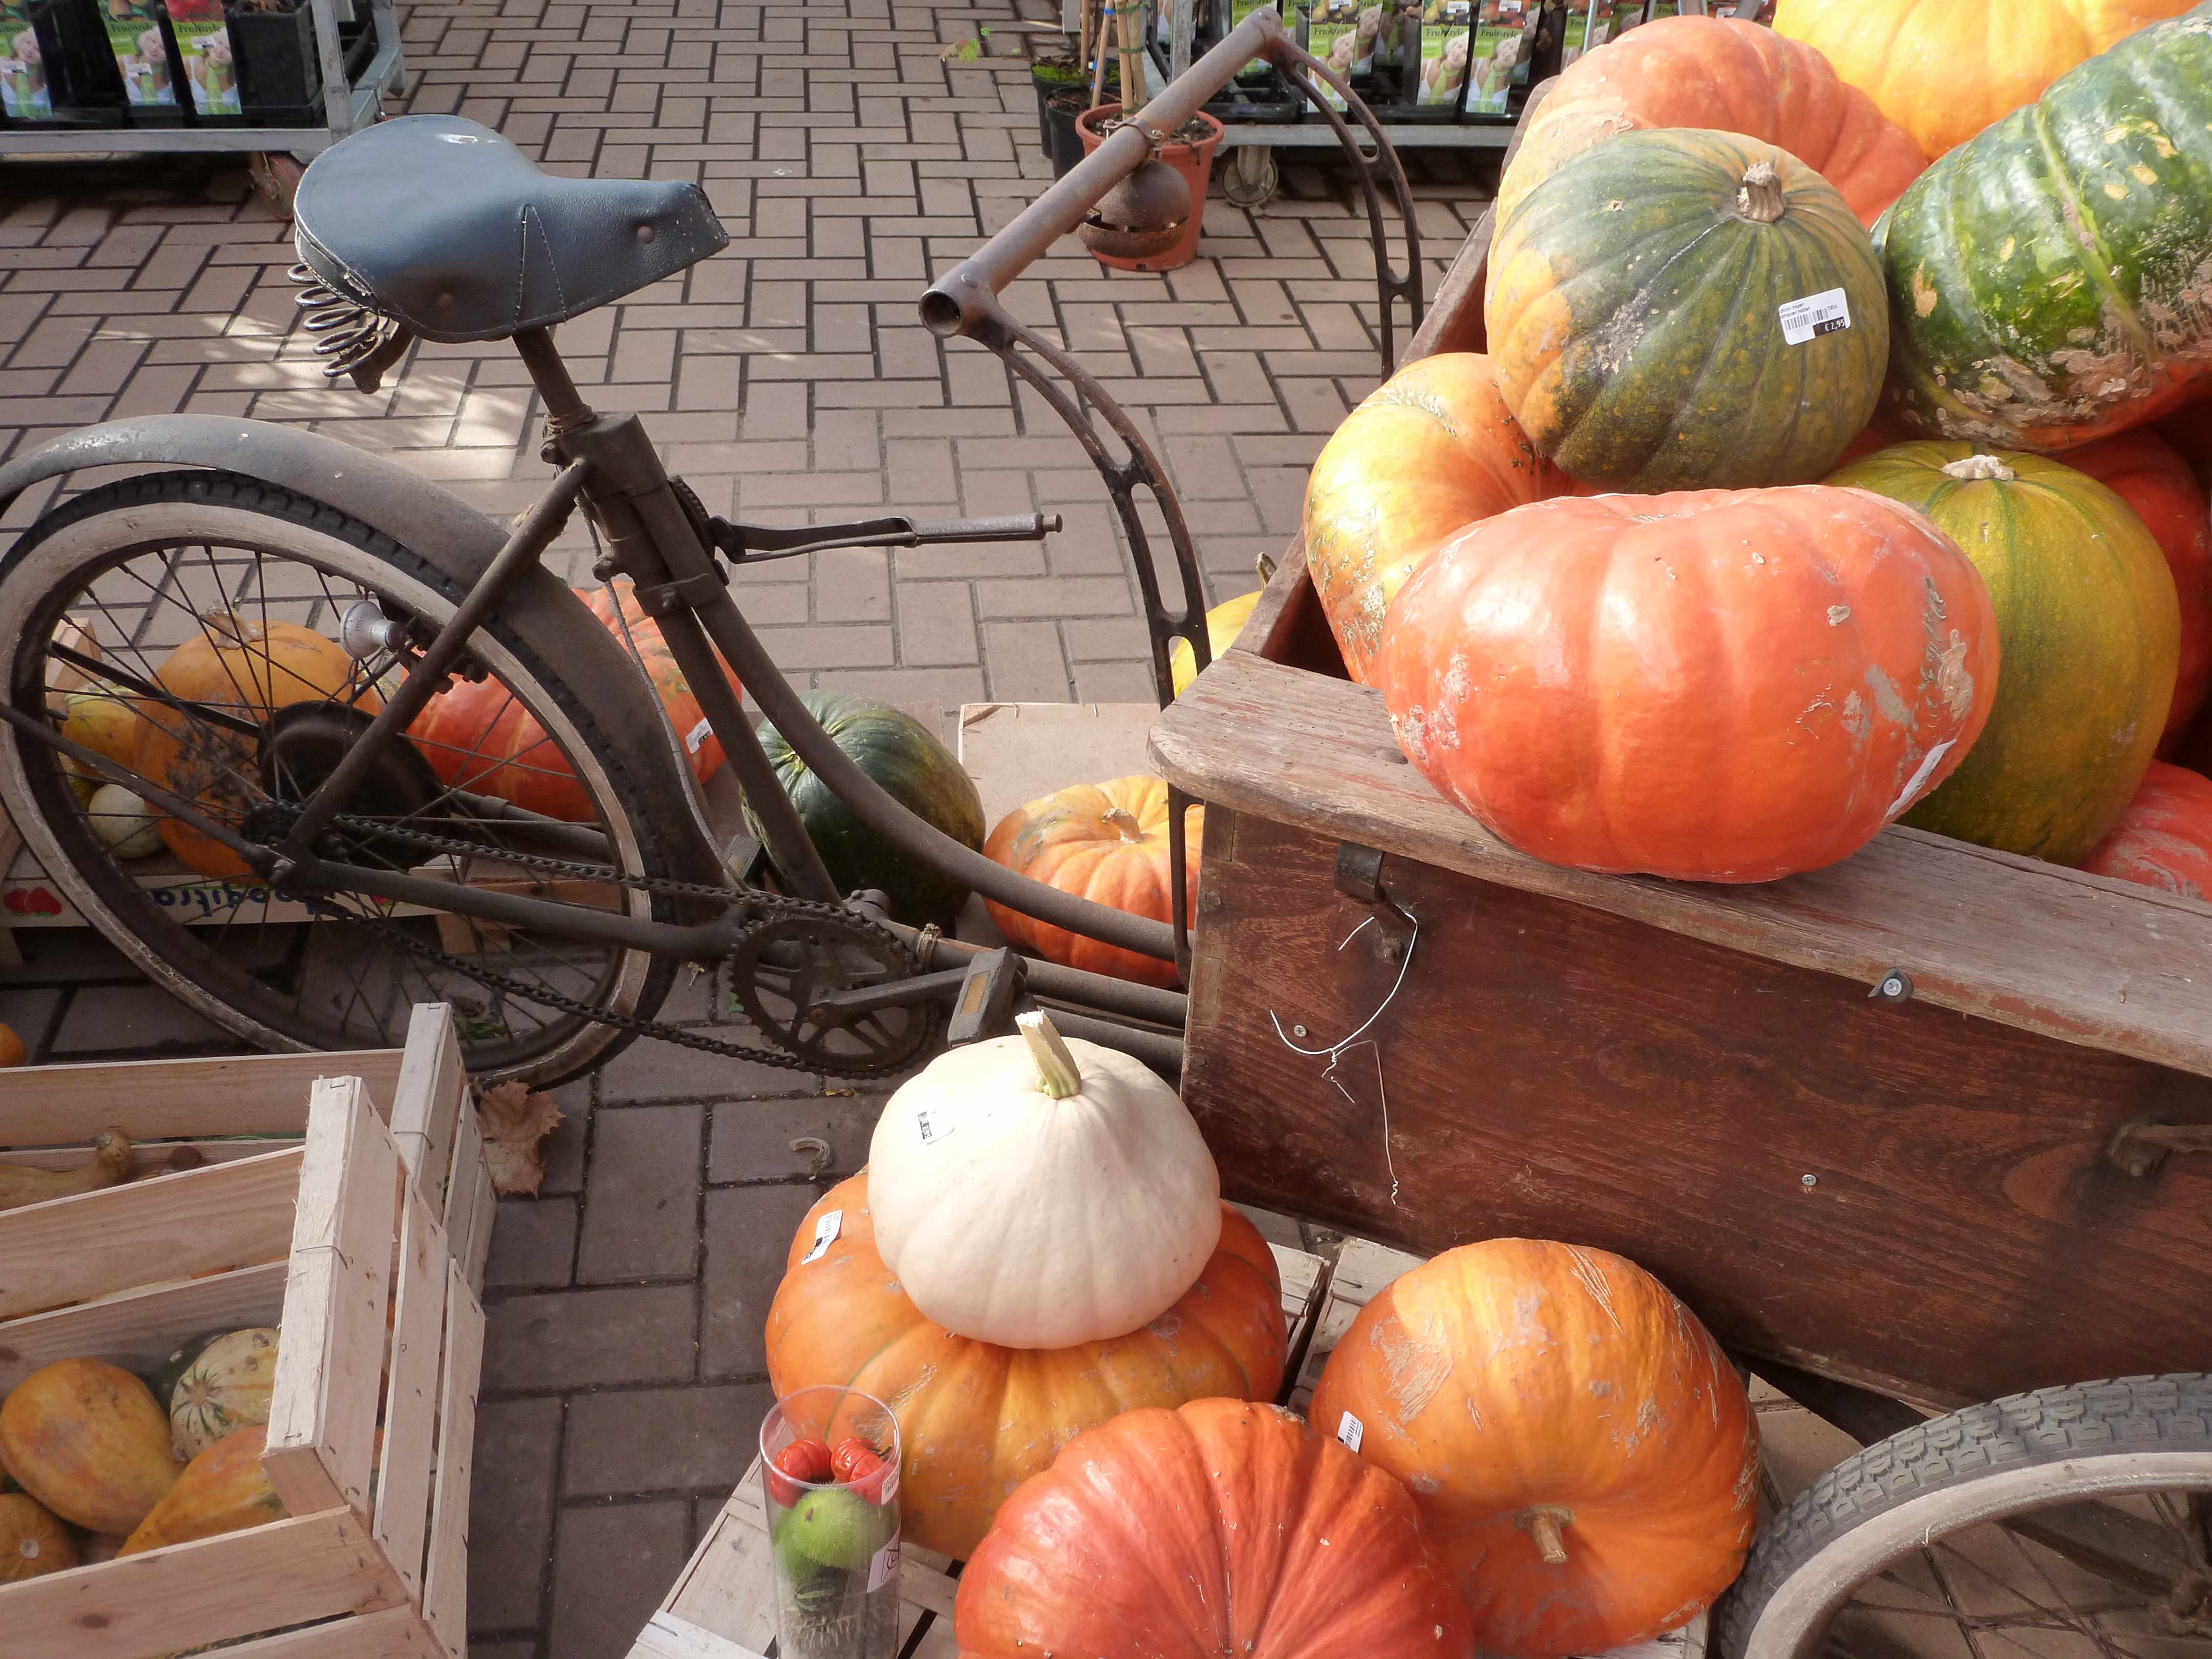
804	1461
860	1466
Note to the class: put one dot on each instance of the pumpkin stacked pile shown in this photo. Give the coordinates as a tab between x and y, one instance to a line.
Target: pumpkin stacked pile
1756	531
96	1462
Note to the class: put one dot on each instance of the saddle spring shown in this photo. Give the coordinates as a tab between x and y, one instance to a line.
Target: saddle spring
346	334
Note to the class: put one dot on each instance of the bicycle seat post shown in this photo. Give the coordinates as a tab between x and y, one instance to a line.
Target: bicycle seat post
565	408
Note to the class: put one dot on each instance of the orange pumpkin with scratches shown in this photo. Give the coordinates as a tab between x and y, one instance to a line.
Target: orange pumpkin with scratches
976	1420
2164	839
1107	842
1584	1457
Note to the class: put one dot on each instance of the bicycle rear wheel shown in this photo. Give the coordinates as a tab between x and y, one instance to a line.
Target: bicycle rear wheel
242	590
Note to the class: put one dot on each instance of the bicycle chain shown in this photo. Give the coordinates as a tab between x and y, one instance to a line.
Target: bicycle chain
771	906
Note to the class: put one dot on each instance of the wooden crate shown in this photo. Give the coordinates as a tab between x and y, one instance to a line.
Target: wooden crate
723	1606
358	1190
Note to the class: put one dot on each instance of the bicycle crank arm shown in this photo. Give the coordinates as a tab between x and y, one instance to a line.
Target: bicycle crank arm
750	544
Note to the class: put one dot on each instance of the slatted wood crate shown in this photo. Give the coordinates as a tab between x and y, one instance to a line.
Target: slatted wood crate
723	1606
344	1198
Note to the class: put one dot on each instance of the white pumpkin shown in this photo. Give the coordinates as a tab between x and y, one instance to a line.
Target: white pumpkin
1038	1193
124	821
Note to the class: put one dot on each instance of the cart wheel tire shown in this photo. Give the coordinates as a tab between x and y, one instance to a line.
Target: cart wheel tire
1250	179
276	178
1980	1465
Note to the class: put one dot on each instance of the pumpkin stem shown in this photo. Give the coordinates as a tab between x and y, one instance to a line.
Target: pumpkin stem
1545	1521
1058	1074
1981	469
1761	200
1124	822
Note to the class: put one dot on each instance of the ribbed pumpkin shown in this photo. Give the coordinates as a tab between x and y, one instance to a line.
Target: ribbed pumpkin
1636	320
1724	73
86	1439
2143	471
1107	842
2164	839
907	759
1723	686
222	1490
33	1543
1431	452
478	737
243	667
1582	1455
1220	1528
2089	627
224	1389
976	1420
2047	280
1946	69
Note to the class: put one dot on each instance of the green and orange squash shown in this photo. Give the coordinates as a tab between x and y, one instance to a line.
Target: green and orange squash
225	1388
2090	632
2048	279
1646	315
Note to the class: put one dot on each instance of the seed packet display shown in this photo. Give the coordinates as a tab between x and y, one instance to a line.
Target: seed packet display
25	93
134	30
1333	36
1626	15
1576	40
203	43
1496	50
1447	38
1258	70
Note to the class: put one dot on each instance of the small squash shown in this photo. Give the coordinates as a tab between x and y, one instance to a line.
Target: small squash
87	1439
224	1389
1107	842
12	1051
222	1490
984	1175
2164	839
1222	623
109	1166
33	1543
1582	1455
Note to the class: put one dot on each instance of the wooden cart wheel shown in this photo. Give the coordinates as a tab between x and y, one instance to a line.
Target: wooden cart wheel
2070	1521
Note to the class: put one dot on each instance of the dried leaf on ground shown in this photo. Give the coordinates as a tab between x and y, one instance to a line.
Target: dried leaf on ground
514	1119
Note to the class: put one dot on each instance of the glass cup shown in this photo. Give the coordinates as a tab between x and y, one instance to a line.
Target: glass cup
835	1542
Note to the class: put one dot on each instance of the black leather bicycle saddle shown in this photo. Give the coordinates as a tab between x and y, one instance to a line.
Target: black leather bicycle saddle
443	225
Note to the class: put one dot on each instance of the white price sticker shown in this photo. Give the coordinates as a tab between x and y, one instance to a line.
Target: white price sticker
931	1129
697	735
1814	315
884	1565
1350	1432
825	1235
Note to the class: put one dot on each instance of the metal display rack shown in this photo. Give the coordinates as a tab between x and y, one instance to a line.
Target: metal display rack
349	103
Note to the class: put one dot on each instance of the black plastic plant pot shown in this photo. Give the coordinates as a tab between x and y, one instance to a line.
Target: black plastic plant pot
280	72
1063	144
1047	76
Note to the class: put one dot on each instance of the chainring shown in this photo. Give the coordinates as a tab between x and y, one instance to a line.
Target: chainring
784	964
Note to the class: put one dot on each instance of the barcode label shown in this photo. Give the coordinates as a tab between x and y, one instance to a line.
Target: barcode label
1815	315
931	1129
825	1235
697	735
1349	1431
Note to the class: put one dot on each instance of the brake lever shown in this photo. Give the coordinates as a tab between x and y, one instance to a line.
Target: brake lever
750	543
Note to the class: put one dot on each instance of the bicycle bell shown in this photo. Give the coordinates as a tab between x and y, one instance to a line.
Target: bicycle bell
1141	217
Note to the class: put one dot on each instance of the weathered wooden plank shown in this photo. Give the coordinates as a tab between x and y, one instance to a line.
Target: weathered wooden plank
153	1157
141	1328
2075	957
483	1215
311	1566
667	1637
729	1587
177	1099
445	1581
426	1101
69	1251
1552	1069
460	1191
323	1403
394	1633
401	1523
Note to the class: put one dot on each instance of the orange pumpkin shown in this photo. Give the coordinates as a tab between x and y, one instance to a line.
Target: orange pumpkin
2188	432
1431	452
1107	842
2144	471
222	1490
478	737
1582	1455
12	1051
2164	837
1713	686
977	1420
86	1439
244	667
1711	72
33	1543
1220	1527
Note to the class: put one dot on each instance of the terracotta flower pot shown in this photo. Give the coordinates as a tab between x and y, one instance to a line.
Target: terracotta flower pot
1193	162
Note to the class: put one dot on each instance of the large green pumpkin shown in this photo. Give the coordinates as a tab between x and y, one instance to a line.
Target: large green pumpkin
2051	280
919	772
2089	629
1644	324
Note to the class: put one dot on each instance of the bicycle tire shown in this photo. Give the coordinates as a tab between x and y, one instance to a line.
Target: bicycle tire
1977	1464
152	510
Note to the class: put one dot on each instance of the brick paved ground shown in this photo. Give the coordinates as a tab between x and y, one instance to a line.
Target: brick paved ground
623	1377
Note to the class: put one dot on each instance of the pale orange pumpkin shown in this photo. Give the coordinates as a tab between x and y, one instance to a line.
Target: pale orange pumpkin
1107	842
1583	1455
33	1543
976	1420
246	668
1434	450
